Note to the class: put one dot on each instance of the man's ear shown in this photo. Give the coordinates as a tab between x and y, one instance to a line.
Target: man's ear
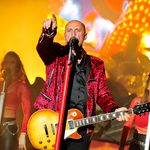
85	36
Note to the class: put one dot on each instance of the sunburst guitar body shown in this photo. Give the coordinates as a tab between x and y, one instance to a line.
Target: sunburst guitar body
42	125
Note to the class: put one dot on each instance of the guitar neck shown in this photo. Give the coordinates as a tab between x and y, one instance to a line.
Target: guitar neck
99	118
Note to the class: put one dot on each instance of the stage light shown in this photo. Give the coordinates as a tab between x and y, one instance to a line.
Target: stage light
146	40
134	19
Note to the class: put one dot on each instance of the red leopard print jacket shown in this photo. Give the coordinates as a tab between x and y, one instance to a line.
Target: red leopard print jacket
54	57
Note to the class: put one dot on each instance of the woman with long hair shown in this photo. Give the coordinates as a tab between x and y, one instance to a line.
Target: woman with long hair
140	123
17	93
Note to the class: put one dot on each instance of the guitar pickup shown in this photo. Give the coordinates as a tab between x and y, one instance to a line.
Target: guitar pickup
46	130
53	129
71	124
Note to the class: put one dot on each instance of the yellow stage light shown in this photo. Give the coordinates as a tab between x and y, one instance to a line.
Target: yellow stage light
146	40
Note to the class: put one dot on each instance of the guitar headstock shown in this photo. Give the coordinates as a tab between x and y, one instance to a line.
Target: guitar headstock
141	108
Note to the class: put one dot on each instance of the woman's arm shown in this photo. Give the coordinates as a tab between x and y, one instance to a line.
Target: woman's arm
24	93
128	125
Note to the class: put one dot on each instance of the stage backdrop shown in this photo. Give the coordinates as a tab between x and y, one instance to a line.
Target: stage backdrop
110	24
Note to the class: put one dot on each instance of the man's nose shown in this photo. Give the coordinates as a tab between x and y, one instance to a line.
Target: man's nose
74	33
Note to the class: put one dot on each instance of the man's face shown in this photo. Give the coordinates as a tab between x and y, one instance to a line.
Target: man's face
75	28
10	67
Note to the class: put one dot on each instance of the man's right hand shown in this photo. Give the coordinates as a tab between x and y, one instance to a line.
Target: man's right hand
50	23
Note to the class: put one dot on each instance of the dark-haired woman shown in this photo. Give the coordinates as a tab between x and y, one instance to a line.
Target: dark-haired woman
17	93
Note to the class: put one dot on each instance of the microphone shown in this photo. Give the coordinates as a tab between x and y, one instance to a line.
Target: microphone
6	73
73	42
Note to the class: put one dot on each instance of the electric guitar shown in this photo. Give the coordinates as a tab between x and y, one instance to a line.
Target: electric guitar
42	125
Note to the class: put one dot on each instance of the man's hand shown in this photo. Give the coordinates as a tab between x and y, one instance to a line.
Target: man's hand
50	23
125	115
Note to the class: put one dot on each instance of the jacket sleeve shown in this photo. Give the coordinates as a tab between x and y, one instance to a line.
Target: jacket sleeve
46	48
105	99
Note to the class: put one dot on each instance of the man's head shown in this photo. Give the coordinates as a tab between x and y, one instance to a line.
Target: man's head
77	29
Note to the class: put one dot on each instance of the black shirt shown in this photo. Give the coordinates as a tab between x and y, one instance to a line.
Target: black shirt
79	92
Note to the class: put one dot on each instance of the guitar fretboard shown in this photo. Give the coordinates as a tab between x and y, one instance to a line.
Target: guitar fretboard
99	118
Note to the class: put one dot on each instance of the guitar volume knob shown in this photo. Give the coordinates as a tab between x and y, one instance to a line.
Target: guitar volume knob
45	147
